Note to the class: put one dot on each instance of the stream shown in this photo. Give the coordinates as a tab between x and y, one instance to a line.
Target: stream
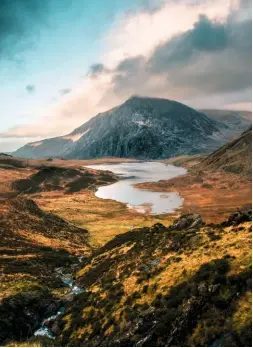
68	280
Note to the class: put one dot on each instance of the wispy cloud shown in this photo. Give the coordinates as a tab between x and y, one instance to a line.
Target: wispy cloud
64	91
30	89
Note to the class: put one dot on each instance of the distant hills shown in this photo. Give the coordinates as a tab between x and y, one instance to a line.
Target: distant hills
143	128
239	120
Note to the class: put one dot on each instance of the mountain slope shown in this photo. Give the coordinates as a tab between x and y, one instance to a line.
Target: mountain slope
234	120
145	128
232	157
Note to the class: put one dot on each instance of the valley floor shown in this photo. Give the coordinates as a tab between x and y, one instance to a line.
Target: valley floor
61	219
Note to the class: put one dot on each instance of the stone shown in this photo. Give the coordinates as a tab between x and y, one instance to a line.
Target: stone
202	288
188	221
55	328
214	288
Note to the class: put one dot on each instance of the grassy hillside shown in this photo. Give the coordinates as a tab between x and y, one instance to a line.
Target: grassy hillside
234	156
189	284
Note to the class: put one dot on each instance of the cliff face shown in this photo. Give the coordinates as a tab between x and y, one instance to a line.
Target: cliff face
145	128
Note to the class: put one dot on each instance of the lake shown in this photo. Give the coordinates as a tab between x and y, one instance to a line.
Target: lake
142	201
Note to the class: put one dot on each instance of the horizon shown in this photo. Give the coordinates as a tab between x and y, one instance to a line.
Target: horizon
63	63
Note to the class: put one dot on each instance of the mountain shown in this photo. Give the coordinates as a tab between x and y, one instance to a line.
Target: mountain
234	156
144	128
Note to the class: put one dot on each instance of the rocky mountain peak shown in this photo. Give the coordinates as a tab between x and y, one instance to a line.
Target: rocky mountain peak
141	127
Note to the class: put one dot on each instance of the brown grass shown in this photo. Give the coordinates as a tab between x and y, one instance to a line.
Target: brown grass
72	162
213	195
104	219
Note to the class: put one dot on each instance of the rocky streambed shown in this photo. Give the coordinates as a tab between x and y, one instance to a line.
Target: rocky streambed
49	327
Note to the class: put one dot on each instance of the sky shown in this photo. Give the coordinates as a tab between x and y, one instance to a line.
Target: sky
63	61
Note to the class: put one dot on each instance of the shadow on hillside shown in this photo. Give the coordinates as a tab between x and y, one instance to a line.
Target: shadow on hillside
27	276
206	299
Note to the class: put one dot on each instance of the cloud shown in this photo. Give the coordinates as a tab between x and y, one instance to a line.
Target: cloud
11	144
30	89
19	21
210	58
96	69
197	52
26	131
139	33
206	36
64	91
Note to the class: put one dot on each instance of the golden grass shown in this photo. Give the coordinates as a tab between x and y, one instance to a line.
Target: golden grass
103	218
243	313
237	245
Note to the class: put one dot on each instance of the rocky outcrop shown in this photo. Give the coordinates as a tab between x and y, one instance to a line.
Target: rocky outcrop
187	222
21	314
238	217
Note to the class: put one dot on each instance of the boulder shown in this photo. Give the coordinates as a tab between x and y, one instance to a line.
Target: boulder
238	218
157	228
187	222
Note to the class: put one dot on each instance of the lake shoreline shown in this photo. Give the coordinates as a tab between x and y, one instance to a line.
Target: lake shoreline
214	195
139	172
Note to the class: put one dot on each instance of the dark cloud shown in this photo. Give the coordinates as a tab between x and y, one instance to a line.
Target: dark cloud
64	91
130	65
21	22
30	89
129	75
18	21
96	69
210	58
206	36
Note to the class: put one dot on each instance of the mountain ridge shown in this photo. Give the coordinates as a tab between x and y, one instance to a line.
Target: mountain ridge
141	127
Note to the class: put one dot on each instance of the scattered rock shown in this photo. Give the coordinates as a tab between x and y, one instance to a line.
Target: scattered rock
55	328
20	315
157	227
214	288
238	218
69	298
154	263
203	288
187	222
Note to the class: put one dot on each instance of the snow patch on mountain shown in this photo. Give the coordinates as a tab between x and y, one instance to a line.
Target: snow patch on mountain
75	137
143	123
37	144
